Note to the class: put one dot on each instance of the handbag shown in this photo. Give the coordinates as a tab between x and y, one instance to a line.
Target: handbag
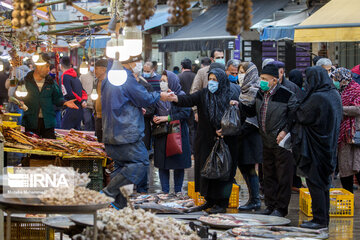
159	130
173	140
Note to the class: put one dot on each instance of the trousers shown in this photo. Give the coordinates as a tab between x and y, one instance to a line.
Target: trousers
164	175
72	118
320	203
278	167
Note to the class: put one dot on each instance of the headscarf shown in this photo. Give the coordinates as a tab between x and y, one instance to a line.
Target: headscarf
296	77
250	85
350	96
218	102
343	76
317	80
164	108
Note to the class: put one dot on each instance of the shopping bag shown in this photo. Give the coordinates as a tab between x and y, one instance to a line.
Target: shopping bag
230	122
173	141
218	164
159	130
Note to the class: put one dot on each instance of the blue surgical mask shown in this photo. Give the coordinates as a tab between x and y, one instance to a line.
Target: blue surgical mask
147	75
233	79
213	86
220	60
52	75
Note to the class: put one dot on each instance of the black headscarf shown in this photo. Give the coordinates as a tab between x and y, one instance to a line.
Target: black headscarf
317	80
219	101
296	77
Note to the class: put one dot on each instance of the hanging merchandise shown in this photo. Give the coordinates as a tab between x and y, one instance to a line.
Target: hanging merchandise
180	13
23	20
15	59
239	16
136	12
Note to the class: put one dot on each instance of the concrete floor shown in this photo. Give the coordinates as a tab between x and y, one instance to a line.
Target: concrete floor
341	228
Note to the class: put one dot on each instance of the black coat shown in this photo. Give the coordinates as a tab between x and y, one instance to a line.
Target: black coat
180	161
205	141
251	147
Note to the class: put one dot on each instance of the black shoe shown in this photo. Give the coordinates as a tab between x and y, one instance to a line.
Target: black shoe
313	225
267	211
250	206
198	208
277	213
217	209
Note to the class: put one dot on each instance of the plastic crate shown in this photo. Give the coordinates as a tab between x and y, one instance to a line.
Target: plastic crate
29	231
94	167
199	200
96	184
340	205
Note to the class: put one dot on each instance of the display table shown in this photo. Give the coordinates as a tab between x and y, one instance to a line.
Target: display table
14	205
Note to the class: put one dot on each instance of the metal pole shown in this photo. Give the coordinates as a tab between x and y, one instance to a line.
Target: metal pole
95	226
2	174
8	225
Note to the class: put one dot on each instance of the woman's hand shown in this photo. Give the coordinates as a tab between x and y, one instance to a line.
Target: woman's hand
234	103
160	119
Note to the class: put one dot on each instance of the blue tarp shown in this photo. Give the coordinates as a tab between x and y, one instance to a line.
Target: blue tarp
277	33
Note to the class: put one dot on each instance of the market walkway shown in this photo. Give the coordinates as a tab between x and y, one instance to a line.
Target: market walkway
345	228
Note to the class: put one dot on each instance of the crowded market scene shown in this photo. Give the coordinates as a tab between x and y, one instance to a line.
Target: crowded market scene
179	119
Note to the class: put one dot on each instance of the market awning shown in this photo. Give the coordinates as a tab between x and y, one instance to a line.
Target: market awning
161	16
283	29
337	21
208	31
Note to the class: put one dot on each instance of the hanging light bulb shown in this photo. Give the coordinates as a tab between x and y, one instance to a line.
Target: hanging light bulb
36	56
117	75
133	41
40	61
1	66
84	67
74	43
94	95
21	91
5	55
116	44
197	61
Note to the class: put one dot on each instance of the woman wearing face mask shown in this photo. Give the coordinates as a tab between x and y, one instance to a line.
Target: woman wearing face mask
211	103
167	112
348	153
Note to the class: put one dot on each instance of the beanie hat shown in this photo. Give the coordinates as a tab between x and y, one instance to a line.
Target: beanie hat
271	69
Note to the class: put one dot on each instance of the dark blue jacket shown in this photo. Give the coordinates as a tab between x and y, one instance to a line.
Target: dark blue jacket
122	117
71	87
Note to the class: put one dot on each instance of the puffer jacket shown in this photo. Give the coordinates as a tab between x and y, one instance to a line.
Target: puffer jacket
122	117
281	106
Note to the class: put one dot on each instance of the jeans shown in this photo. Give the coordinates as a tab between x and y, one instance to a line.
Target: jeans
143	187
58	119
72	118
88	119
164	175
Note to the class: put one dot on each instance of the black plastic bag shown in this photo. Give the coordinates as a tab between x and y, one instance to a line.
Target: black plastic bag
218	164
230	122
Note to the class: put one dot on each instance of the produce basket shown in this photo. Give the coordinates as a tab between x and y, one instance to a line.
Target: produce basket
27	230
341	202
94	167
199	200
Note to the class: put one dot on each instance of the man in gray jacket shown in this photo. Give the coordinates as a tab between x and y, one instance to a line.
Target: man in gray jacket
273	107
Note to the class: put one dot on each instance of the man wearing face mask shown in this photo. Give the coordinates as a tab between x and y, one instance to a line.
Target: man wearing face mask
4	75
151	76
123	129
274	105
232	67
201	78
87	80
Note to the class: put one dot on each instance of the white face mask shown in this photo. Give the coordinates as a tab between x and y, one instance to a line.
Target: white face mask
138	68
92	68
164	86
241	78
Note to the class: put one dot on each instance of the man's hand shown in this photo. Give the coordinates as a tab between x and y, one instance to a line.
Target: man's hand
143	111
71	104
281	136
234	103
83	104
160	119
196	116
168	97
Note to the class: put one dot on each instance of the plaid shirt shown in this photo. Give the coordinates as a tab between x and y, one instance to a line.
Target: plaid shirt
264	107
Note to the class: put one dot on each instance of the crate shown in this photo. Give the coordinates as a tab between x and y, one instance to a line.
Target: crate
94	167
96	184
29	231
340	205
199	200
